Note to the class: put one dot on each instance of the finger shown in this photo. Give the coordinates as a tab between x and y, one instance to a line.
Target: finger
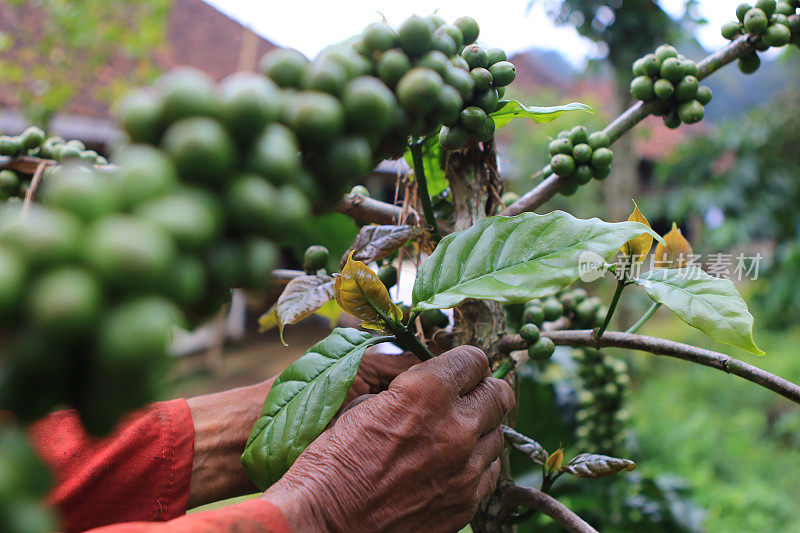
488	480
487	404
347	407
459	369
378	368
487	450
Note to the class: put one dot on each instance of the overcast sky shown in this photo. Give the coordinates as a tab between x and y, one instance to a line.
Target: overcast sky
310	26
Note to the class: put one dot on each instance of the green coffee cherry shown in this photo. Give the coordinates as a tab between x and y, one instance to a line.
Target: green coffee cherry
560	146
703	95
503	73
663	89
388	275
283	66
452	138
433	318
315	258
777	35
582	153
665	51
741	11
475	56
509	198
563	165
749	63
495	55
756	22
599	139
642	88
552	309
469	29
392	65
767	6
578	135
416	36
482	78
602	158
691	112
731	30
533	315
541	350
529	333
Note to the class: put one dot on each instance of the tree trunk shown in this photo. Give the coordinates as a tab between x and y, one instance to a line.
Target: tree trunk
476	186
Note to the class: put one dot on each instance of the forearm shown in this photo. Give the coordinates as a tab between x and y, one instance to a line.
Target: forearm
222	423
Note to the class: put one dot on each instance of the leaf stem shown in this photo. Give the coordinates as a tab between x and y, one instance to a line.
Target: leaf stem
407	340
422	189
502	370
621	284
645	317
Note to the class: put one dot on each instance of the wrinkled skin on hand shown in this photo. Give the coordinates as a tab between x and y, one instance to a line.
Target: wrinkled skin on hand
419	456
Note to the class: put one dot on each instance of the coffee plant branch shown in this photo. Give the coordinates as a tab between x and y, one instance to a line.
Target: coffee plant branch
552	184
365	209
657	346
536	499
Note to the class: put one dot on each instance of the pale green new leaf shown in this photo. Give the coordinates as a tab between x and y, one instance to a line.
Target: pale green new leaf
710	304
301	402
511	109
516	259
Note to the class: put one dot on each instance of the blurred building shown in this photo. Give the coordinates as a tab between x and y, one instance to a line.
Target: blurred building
197	35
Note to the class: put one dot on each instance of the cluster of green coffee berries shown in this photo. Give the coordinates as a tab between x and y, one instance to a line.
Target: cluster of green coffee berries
34	142
771	23
600	419
579	156
670	80
576	306
24	483
491	72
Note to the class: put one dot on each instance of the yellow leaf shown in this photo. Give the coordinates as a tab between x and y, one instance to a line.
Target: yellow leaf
359	292
638	247
331	311
677	251
555	460
268	320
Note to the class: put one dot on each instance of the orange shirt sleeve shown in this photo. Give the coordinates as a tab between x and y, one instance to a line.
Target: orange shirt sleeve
253	516
141	472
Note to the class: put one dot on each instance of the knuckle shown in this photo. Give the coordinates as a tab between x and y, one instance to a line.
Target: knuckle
502	393
468	357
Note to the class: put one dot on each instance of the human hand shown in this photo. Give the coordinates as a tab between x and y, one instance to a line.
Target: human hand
418	456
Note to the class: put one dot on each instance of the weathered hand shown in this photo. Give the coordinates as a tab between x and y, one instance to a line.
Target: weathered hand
419	456
377	371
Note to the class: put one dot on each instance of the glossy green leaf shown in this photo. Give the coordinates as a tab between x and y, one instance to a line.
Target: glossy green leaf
515	259
301	402
710	304
511	109
593	466
433	161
